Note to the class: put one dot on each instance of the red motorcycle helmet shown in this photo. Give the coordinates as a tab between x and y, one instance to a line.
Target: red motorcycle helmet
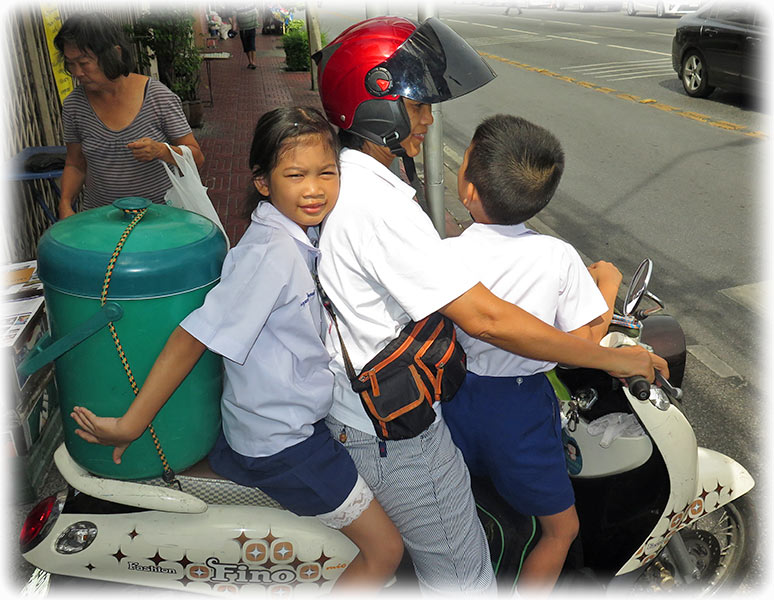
369	67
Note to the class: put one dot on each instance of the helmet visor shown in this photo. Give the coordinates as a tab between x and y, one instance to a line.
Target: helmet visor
435	64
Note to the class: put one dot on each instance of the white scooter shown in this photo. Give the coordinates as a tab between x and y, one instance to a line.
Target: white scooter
655	510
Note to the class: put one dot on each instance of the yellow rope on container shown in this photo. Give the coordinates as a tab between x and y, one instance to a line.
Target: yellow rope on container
169	475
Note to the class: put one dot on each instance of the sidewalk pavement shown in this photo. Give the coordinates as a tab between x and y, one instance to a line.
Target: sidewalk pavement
240	96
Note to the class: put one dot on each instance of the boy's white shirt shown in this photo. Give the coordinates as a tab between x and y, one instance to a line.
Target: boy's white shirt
540	274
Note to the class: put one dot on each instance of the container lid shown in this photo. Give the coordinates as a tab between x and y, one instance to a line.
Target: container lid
169	251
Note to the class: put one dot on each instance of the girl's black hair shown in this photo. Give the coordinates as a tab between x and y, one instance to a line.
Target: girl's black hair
274	135
98	34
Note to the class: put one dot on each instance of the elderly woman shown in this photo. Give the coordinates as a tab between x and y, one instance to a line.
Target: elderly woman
116	122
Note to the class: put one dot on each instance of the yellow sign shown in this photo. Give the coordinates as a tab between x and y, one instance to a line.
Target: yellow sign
52	23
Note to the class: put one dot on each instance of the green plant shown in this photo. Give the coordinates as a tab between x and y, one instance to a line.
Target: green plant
169	35
296	45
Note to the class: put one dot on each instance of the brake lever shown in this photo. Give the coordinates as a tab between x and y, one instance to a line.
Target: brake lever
674	392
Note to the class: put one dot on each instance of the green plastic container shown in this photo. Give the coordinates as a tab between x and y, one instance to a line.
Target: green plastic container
168	263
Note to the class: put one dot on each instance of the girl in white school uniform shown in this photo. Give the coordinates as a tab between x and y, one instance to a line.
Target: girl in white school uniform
265	319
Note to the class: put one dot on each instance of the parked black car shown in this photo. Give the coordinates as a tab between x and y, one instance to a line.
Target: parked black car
722	45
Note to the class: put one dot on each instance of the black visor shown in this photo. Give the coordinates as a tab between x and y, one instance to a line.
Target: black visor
435	64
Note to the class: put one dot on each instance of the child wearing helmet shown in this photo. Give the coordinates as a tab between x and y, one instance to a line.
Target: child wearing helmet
383	265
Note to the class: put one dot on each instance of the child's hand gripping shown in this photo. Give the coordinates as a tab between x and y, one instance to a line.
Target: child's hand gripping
107	431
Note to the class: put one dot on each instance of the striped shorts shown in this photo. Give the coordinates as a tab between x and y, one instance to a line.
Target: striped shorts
424	487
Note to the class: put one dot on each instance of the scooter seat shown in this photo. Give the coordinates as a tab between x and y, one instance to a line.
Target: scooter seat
204	483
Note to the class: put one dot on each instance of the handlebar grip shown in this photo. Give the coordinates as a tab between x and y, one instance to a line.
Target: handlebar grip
639	387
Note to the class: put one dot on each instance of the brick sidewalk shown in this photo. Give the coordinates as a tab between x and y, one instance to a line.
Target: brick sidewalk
240	97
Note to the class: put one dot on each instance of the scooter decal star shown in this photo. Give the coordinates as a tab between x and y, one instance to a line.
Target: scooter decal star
719	488
119	555
704	494
156	559
184	562
133	534
242	538
90	567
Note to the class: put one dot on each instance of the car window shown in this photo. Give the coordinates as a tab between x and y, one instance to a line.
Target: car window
734	12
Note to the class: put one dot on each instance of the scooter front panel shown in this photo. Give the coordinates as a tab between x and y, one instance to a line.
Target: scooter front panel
673	435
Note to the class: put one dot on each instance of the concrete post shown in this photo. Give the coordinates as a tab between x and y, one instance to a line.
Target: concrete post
433	149
314	36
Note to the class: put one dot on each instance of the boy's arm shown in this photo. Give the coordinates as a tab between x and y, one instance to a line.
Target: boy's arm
177	358
608	279
483	315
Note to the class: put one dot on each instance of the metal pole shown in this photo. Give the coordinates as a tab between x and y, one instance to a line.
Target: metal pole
314	37
433	149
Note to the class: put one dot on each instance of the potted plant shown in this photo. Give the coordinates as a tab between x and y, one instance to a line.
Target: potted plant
295	42
169	35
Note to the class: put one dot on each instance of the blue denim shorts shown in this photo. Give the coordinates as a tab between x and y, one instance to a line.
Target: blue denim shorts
311	478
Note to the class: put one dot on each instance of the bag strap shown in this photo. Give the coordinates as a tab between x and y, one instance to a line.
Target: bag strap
326	302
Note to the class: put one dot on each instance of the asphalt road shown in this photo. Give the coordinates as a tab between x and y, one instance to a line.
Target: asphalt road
651	173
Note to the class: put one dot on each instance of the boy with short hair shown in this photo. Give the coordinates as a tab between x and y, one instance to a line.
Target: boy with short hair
505	418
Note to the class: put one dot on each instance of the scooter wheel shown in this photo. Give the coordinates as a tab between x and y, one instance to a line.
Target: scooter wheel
719	544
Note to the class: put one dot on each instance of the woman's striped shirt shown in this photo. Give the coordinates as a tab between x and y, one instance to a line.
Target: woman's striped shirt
111	170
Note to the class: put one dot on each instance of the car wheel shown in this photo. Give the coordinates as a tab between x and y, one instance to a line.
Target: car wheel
693	74
630	9
660	10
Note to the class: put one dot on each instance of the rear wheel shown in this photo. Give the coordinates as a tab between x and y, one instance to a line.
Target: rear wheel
693	74
660	10
630	9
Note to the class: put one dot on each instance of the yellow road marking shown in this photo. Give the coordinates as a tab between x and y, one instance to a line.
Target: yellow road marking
726	125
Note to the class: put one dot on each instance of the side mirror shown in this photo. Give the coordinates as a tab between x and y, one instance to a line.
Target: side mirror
638	287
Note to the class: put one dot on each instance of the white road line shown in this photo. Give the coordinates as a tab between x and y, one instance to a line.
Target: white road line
659	33
659	74
639	50
622	69
456	21
485	25
627	62
562	22
559	37
613	28
712	362
520	31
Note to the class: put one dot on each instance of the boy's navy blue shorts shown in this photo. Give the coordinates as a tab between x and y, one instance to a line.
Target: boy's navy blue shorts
311	478
509	431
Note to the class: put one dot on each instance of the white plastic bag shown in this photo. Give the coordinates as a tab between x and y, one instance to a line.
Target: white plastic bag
187	191
615	425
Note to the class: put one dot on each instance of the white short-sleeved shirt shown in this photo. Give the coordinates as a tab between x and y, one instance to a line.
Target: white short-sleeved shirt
540	274
265	319
382	265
